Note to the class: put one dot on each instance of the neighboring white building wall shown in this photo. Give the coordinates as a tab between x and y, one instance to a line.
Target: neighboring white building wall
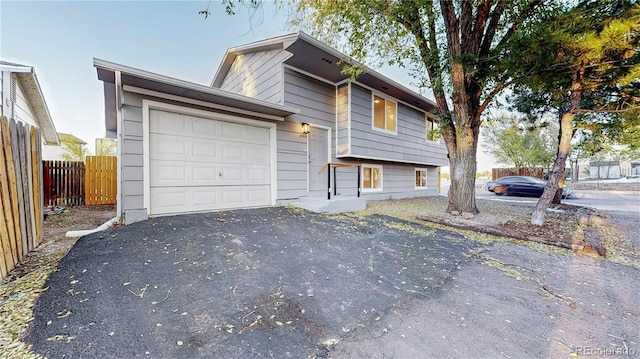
22	109
604	172
52	153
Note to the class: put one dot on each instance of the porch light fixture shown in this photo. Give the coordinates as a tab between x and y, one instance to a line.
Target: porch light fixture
305	128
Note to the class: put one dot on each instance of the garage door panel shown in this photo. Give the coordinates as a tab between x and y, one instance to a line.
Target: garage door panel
206	128
165	172
168	122
168	200
258	135
204	150
193	199
233	131
181	174
258	154
198	164
165	147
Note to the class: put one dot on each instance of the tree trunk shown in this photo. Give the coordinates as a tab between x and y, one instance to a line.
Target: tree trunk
463	165
556	179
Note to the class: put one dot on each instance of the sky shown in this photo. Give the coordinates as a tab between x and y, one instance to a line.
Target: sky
61	38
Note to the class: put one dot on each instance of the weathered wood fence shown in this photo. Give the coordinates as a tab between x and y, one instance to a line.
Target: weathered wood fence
503	172
63	183
21	215
100	180
73	183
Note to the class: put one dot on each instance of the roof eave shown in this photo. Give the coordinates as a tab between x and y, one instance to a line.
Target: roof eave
32	89
324	47
231	54
161	79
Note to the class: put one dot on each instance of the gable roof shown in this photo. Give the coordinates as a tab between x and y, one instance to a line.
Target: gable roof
26	75
71	138
317	58
171	86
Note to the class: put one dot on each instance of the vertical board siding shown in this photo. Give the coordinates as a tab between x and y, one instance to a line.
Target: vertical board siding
21	215
257	75
409	144
100	180
503	172
342	136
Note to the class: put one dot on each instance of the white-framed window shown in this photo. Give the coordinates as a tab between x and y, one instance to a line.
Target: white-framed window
371	178
421	178
432	132
385	114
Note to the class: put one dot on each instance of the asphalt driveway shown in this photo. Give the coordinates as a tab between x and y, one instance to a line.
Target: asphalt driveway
271	282
278	282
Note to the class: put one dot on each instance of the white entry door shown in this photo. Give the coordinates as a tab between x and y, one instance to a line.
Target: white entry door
200	164
318	141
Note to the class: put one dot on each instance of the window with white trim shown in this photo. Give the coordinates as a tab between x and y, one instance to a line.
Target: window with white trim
421	178
385	113
432	130
371	178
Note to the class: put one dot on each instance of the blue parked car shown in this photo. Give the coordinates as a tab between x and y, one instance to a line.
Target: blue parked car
521	186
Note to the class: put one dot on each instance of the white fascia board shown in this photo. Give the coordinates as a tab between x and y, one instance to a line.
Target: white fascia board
165	96
111	66
16	68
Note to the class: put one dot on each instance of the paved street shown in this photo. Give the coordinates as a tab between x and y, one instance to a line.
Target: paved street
626	201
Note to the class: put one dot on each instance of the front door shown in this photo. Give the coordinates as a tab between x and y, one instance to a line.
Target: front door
318	140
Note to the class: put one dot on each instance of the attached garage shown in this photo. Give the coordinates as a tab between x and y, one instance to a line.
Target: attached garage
202	161
185	147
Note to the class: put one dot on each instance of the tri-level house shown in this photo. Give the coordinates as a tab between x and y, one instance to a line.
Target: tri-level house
279	124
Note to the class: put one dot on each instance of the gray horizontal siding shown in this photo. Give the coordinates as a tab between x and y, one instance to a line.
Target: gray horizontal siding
316	102
132	161
257	75
292	159
398	181
408	145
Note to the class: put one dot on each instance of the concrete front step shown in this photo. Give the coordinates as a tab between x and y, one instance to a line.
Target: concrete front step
334	205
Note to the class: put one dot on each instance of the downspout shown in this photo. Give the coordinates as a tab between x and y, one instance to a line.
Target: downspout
120	144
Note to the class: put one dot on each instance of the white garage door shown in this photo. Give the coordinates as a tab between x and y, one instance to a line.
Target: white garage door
199	164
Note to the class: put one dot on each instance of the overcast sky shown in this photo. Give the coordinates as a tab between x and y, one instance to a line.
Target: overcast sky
61	38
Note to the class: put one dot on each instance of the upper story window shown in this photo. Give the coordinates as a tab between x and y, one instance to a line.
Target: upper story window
385	113
433	132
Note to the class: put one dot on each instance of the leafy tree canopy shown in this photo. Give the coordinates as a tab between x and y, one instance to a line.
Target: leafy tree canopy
513	142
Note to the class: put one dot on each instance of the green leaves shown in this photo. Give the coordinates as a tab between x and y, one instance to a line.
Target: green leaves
512	143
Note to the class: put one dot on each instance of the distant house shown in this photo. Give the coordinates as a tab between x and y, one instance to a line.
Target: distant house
23	100
276	113
56	153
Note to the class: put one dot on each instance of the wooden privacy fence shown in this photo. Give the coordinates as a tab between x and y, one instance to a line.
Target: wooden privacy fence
503	172
73	183
21	214
63	183
100	180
